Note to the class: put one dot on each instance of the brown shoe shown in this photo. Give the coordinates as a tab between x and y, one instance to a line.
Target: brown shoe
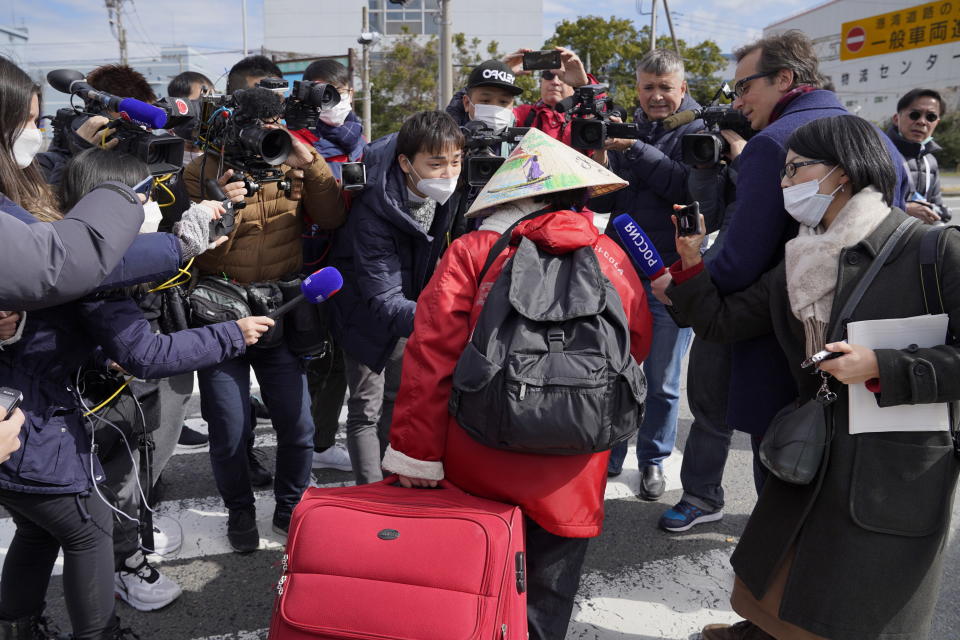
743	630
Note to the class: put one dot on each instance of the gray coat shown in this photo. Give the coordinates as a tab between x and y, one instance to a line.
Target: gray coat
869	532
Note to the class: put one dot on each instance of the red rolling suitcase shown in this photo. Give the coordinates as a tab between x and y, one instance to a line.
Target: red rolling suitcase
381	561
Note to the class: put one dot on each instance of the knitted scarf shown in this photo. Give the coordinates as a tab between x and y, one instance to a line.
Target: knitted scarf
813	262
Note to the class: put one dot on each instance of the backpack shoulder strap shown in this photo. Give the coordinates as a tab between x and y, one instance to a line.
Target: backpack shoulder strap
930	269
531	116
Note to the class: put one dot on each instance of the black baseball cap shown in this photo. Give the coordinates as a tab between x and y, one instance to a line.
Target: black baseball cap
494	73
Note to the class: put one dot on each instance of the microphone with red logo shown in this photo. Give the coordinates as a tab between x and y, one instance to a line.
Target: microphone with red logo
638	246
315	288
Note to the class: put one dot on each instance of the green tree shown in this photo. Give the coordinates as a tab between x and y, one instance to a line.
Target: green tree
948	137
611	48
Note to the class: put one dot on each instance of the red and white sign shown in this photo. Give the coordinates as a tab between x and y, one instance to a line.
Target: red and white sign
856	38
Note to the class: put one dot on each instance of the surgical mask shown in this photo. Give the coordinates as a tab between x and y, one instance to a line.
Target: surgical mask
439	189
924	142
497	118
27	146
151	217
337	115
805	202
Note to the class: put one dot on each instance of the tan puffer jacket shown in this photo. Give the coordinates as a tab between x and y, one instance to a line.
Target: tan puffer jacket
266	242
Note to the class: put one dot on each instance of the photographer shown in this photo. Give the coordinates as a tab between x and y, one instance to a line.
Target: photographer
189	85
919	112
555	86
263	248
777	82
338	137
387	251
652	165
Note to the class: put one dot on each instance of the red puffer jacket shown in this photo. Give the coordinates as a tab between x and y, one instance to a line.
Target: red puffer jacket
543	117
563	494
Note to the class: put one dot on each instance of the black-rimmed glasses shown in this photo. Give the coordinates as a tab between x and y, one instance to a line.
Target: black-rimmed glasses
740	87
789	170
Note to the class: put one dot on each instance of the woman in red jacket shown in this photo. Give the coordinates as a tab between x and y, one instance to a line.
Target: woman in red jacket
561	496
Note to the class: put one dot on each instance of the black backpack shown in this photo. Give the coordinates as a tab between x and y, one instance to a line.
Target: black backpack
548	369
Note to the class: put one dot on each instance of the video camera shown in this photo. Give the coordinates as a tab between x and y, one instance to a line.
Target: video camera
706	148
134	126
305	102
481	161
591	133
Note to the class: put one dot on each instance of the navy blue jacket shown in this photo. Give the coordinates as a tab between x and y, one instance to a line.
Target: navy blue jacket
386	259
658	180
761	382
46	264
54	456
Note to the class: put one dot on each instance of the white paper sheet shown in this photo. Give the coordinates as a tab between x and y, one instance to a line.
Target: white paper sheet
896	333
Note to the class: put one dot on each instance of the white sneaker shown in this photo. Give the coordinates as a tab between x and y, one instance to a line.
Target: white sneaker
143	587
168	540
336	457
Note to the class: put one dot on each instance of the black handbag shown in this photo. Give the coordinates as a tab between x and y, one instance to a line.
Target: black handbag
216	299
794	444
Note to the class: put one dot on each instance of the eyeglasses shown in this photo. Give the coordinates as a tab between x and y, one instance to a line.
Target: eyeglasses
929	116
741	87
790	169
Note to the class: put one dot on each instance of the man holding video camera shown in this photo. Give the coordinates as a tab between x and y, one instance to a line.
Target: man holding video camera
658	179
263	248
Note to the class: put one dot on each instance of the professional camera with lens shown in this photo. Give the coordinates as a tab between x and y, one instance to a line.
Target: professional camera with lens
591	132
233	127
307	99
134	129
480	157
707	147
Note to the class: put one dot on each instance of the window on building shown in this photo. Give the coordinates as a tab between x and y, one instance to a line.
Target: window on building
418	17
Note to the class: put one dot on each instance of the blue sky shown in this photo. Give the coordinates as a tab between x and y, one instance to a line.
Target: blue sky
71	31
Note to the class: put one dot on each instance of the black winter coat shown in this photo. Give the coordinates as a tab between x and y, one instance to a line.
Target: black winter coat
921	166
870	530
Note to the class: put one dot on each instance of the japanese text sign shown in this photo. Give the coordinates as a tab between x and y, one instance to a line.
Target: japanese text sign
925	25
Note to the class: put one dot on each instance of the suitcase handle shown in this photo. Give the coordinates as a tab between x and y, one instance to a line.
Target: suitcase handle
394	480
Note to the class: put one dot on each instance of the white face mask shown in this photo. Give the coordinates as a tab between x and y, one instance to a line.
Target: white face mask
27	146
439	189
338	114
151	217
805	202
497	118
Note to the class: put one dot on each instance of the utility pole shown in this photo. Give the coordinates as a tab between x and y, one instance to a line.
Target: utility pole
243	13
446	55
366	39
673	36
115	18
653	25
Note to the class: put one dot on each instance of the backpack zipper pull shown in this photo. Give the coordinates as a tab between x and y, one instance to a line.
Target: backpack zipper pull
283	565
280	585
523	390
503	631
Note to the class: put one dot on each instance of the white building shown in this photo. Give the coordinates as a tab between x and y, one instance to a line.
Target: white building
331	27
874	53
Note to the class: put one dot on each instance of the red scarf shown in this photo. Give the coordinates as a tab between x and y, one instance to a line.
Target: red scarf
787	98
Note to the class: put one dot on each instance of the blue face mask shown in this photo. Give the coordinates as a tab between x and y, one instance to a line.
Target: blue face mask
926	140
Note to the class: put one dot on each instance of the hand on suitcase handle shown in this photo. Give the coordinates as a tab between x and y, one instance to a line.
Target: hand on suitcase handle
419	483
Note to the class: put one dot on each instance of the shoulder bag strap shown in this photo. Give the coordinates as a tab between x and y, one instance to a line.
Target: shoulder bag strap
864	283
504	240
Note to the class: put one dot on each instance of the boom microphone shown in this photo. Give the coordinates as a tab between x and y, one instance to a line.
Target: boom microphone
681	118
638	245
73	82
315	288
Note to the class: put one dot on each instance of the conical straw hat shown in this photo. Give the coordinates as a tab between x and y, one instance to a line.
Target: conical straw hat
538	165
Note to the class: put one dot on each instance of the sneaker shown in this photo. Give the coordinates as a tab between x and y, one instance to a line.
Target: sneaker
743	630
141	586
684	515
192	439
281	523
168	540
242	530
259	475
336	457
